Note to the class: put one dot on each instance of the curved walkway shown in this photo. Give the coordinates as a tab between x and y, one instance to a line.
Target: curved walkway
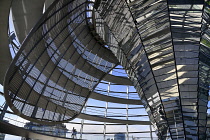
106	98
23	11
5	56
8	128
103	119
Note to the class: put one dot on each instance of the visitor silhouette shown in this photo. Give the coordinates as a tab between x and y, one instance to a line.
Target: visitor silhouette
74	133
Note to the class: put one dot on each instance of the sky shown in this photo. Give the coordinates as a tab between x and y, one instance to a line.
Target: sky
1	88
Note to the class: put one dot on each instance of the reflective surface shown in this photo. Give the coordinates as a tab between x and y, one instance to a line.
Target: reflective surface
161	46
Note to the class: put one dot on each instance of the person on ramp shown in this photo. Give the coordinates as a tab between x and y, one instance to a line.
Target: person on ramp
74	133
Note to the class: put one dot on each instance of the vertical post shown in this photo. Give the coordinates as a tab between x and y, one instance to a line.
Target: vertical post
127	132
3	111
82	122
150	126
105	114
